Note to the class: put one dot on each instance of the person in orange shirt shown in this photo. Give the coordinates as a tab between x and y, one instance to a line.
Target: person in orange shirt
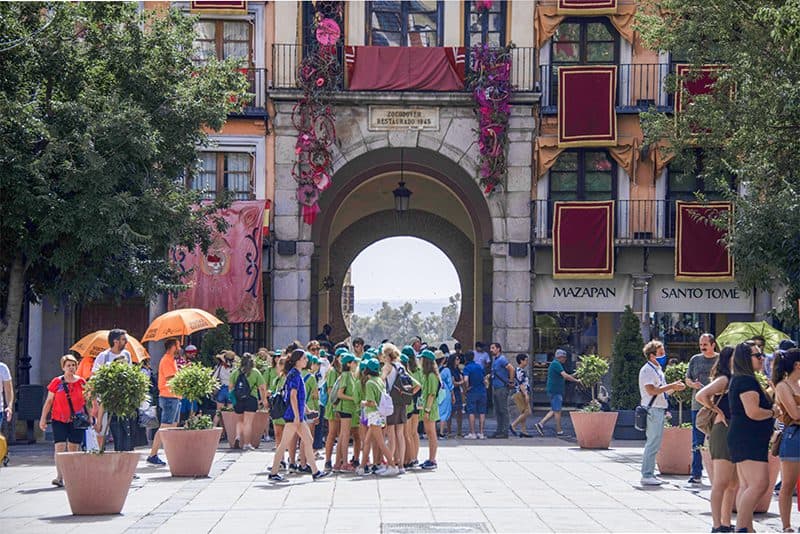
85	367
169	403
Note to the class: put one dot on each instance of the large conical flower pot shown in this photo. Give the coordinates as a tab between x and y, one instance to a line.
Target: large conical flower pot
229	419
675	455
593	429
259	427
190	453
97	484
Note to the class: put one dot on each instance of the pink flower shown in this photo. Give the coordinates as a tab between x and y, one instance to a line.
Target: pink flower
320	82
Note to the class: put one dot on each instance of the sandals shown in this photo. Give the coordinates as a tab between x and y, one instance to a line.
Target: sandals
58	482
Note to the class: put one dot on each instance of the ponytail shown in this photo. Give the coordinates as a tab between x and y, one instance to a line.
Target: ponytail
247	363
783	364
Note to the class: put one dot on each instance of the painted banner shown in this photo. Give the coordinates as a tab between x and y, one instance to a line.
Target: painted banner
583	240
700	255
587	114
231	7
229	274
586	7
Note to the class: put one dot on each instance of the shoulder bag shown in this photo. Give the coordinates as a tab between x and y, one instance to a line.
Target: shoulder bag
80	421
640	415
704	420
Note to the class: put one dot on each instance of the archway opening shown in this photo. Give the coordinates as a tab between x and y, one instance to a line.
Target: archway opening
401	287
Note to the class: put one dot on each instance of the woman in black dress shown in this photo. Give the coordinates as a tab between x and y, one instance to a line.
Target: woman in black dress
749	432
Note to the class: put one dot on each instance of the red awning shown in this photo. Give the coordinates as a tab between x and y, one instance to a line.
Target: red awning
406	68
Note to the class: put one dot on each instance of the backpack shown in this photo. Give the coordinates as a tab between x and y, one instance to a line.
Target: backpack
277	403
401	392
241	389
334	394
385	406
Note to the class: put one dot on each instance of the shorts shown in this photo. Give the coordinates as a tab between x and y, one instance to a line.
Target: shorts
63	432
170	410
376	419
250	404
790	444
188	406
522	405
398	416
344	415
222	396
476	404
556	402
718	442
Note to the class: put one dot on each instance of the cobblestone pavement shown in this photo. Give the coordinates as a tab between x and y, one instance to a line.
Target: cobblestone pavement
516	485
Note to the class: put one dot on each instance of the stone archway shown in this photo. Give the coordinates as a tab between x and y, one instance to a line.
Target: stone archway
426	226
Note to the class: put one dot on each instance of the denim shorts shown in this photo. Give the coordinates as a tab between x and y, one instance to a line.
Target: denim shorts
476	404
170	409
556	401
222	395
790	444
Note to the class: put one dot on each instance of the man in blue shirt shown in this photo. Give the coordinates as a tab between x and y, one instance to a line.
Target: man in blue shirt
502	384
556	378
476	395
481	356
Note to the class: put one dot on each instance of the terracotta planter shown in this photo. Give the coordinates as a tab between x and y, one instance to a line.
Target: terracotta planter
259	427
675	455
593	430
190	453
97	484
229	422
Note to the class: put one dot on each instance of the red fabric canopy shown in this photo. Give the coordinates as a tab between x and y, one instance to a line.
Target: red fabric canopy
586	106
586	7
583	239
229	274
700	255
219	6
403	68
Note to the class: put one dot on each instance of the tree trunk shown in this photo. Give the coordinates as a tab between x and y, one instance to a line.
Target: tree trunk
9	326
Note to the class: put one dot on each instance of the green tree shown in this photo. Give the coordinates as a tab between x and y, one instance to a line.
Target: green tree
101	114
216	340
753	136
400	324
626	360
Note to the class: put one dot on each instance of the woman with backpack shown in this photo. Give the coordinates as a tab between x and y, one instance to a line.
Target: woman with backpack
458	397
295	418
312	409
223	372
247	384
331	415
347	408
276	386
445	397
402	388
374	389
411	433
430	409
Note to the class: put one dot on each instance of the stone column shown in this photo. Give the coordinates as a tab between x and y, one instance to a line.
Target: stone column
641	283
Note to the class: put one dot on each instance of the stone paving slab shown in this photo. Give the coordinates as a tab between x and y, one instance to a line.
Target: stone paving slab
518	485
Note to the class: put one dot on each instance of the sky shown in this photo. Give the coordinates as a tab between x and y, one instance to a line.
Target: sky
415	270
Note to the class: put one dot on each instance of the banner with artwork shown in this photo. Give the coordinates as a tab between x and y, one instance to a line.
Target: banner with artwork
587	115
700	254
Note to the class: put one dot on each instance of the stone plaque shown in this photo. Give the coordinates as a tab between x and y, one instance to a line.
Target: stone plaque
383	118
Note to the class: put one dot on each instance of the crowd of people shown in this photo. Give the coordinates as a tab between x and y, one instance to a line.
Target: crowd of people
749	421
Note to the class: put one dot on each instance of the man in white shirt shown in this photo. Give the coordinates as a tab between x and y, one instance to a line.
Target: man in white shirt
653	390
117	339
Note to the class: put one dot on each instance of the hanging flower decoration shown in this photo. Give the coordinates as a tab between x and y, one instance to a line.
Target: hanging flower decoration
313	116
490	82
482	6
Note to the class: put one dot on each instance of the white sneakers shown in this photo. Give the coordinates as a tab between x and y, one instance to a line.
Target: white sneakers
651	481
470	436
384	471
481	436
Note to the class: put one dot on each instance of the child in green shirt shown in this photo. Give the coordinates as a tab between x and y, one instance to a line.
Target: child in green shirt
374	388
430	408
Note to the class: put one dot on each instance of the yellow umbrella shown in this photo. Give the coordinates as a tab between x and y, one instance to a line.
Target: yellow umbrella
737	332
180	322
96	342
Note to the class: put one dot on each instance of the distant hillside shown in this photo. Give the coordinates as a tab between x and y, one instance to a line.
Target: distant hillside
368	307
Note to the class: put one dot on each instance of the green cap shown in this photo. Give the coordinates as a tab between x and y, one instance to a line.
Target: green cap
408	350
323	353
428	355
403	358
348	357
340	351
363	363
313	359
373	365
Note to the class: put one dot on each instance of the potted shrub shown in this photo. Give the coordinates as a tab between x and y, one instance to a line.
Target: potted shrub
97	482
626	360
190	450
675	455
593	428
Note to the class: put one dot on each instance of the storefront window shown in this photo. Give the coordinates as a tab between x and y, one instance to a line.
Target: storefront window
680	332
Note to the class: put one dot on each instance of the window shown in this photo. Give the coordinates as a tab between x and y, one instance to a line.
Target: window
683	182
222	39
225	171
583	175
485	27
405	23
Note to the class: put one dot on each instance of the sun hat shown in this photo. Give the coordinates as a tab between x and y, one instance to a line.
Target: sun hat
408	350
428	355
439	355
221	356
373	365
190	348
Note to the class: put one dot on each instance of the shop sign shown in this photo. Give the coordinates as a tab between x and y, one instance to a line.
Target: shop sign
383	118
667	295
581	295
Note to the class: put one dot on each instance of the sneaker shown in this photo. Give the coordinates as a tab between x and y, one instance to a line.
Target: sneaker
414	463
236	444
284	466
374	469
524	435
694	480
382	471
428	464
385	471
409	465
319	474
560	433
57	482
360	472
651	481
401	470
539	429
512	431
347	468
498	436
248	447
393	471
471	436
481	436
276	478
305	470
155	460
328	466
354	462
294	468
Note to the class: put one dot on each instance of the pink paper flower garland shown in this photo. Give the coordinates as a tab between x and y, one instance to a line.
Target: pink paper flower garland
490	82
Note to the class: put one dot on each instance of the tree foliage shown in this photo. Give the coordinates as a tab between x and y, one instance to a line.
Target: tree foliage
626	360
400	324
749	128
101	113
120	387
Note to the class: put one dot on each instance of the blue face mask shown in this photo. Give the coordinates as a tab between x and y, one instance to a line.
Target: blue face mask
662	361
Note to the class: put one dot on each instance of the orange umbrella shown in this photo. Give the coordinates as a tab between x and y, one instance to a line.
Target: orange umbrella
180	322
96	342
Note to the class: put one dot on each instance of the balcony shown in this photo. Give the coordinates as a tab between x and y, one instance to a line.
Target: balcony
286	60
636	222
257	85
640	87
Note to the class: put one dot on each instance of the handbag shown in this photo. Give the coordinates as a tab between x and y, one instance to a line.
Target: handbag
80	421
704	420
640	415
775	446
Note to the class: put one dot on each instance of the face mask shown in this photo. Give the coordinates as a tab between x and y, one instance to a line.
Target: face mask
662	361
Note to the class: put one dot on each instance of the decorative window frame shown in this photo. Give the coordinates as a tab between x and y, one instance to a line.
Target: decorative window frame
250	144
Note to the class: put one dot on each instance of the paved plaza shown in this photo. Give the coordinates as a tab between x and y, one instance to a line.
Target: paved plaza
519	485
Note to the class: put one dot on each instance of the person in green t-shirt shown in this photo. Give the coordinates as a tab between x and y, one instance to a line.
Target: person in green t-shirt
348	398
556	377
430	408
374	388
412	421
331	414
277	385
246	408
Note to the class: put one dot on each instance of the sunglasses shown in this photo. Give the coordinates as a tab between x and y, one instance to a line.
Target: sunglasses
757	355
